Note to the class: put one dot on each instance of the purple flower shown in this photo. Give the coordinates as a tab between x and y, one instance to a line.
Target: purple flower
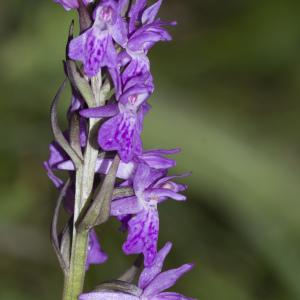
145	31
72	4
149	30
152	282
122	132
95	254
95	47
151	187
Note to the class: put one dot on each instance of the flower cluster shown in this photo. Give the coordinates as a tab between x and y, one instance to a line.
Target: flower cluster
116	46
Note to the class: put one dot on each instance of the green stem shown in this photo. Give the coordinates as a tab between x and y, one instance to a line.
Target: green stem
74	279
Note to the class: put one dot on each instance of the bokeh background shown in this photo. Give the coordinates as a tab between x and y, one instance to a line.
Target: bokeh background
227	92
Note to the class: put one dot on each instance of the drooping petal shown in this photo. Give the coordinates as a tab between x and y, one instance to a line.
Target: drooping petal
143	234
105	111
57	155
95	49
149	273
170	296
98	47
58	183
121	133
151	12
107	295
95	254
125	206
165	280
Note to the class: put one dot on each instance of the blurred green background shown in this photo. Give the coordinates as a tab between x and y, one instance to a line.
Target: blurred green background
227	92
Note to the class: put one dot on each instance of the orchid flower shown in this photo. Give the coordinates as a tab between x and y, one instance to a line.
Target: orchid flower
95	46
151	187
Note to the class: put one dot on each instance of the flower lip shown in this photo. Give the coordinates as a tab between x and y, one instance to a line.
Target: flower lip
106	13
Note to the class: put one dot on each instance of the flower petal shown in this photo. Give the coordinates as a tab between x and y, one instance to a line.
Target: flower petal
157	162
95	254
162	193
144	177
143	234
135	13
77	47
107	295
165	280
149	273
151	12
57	155
58	183
125	206
122	133
105	111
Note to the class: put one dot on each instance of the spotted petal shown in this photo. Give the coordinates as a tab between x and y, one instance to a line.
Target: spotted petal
122	133
125	206
143	235
149	273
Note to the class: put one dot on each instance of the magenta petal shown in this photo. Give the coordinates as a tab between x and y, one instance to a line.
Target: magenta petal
57	155
101	111
144	177
77	47
95	51
165	280
121	133
58	183
95	254
107	295
143	235
135	13
165	193
119	31
151	12
125	206
149	273
158	162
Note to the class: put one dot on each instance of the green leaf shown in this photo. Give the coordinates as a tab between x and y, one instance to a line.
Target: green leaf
58	135
54	234
98	211
80	83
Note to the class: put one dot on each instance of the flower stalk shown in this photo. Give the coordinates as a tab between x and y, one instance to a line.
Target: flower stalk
109	172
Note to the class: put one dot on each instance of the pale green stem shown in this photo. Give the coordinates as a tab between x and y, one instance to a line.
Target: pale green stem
74	279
